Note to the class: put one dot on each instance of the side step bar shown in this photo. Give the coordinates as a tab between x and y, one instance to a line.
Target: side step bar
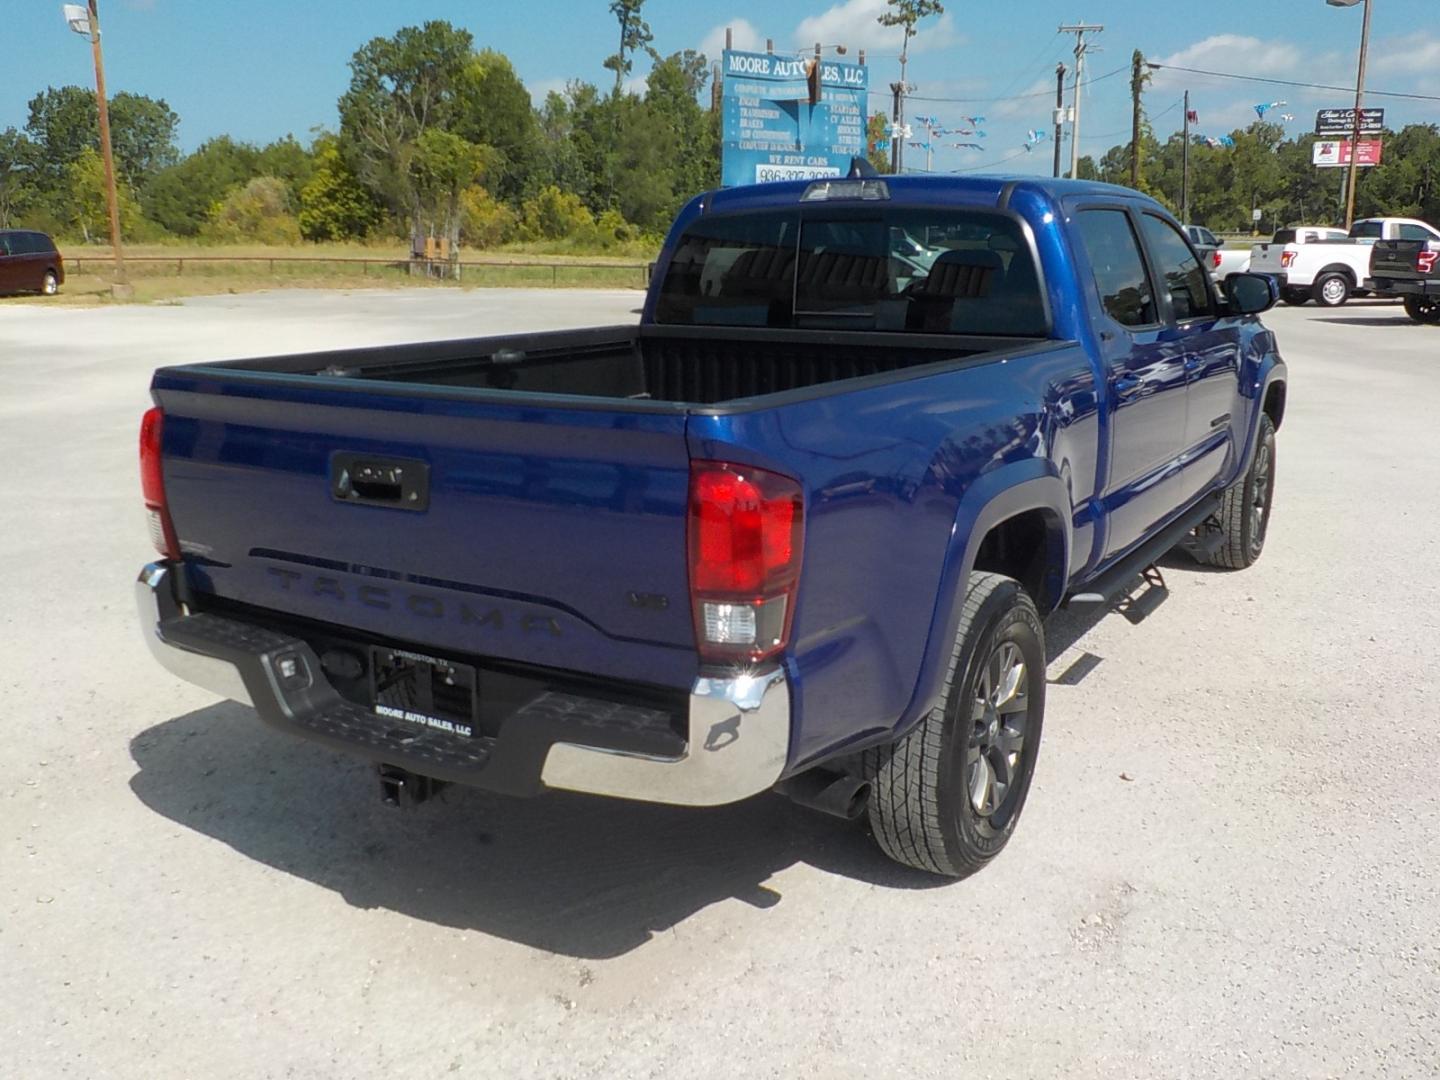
1116	580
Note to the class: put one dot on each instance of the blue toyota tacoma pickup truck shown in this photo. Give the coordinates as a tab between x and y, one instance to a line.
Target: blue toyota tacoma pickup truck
798	529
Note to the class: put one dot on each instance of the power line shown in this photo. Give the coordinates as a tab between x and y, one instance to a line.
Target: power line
1290	82
1013	97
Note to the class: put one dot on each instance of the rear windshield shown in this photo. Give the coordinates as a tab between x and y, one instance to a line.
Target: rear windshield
856	268
1367	230
1284	236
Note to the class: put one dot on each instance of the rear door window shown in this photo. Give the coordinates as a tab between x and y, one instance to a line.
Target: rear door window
1415	232
1118	266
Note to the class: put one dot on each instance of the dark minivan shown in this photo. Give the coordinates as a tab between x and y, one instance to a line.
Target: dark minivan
29	263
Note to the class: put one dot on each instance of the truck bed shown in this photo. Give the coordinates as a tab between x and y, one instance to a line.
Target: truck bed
676	365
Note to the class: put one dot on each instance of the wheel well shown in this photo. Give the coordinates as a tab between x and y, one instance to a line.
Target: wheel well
1028	547
1274	406
1337	268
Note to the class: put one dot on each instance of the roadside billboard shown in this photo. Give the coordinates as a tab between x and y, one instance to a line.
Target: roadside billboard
771	131
1335	153
1342	121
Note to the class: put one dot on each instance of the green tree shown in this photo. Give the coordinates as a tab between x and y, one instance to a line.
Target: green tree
334	205
672	106
495	110
877	142
443	167
259	212
423	79
634	35
86	200
64	122
287	160
180	198
17	163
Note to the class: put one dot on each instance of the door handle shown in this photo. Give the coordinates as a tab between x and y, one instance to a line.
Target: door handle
1129	386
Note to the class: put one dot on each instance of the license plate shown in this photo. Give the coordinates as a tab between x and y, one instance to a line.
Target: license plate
423	690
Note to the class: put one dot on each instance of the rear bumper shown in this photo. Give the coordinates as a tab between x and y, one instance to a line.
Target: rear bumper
1404	286
736	744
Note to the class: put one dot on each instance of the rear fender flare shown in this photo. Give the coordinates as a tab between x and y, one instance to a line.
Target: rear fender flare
995	497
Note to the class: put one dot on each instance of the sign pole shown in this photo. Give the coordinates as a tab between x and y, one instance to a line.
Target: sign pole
1354	173
1059	114
1185	165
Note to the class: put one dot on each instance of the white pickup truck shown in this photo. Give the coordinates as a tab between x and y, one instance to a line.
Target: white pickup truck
1326	265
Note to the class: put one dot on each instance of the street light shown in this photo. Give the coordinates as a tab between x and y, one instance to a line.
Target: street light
1354	174
85	19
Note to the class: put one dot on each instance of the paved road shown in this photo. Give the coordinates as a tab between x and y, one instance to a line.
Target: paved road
1228	865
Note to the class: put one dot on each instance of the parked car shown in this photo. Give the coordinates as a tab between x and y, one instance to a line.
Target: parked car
29	262
1205	243
1408	270
797	529
1330	270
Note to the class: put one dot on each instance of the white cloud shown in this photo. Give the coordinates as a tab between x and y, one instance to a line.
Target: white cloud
1419	53
745	37
1236	52
541	88
854	23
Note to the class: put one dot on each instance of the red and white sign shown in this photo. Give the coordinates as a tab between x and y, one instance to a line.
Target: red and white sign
1335	153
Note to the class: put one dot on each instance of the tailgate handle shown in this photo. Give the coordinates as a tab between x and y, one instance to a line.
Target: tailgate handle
399	483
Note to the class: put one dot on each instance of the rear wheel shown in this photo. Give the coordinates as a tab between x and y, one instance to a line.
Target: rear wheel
49	284
1423	309
946	797
1331	290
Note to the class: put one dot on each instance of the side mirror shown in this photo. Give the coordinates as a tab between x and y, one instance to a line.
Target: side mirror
1250	294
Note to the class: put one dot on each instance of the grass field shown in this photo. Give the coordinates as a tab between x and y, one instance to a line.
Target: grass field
167	272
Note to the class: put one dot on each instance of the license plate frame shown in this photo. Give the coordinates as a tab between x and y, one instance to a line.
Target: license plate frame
423	691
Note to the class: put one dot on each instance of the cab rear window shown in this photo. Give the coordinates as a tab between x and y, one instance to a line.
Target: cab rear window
863	268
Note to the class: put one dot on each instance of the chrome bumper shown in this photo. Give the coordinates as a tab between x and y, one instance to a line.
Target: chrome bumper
738	727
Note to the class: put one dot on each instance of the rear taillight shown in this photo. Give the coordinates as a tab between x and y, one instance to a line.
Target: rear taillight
1215	260
1425	261
745	534
152	484
1286	258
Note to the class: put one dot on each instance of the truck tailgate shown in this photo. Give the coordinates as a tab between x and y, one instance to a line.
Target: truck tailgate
545	533
1266	258
1397	258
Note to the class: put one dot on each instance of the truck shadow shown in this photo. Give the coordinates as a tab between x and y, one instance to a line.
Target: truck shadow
585	877
1397	318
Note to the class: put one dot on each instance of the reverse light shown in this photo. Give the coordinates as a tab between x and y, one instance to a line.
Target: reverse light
1425	261
152	484
745	536
1286	258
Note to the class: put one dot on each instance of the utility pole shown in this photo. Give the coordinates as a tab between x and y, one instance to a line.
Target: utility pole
1185	167
1138	78
86	20
897	110
1081	48
1059	113
1354	176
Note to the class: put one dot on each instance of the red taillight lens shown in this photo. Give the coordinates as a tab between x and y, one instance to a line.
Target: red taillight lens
745	533
1425	261
1215	260
152	484
1286	258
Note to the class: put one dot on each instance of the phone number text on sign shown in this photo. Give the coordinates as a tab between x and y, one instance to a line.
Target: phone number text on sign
766	173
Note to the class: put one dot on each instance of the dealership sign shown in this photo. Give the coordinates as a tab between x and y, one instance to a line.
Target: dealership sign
771	130
1342	121
1335	153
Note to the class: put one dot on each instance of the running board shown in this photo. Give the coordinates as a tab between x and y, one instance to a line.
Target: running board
1117	579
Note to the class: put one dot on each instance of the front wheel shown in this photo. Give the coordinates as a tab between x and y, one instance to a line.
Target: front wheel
1423	309
946	797
1295	297
1331	290
1244	514
49	284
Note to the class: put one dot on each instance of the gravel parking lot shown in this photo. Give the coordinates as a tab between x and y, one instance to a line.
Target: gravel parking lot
1229	864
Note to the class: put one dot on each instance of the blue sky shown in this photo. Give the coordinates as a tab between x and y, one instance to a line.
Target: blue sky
263	68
